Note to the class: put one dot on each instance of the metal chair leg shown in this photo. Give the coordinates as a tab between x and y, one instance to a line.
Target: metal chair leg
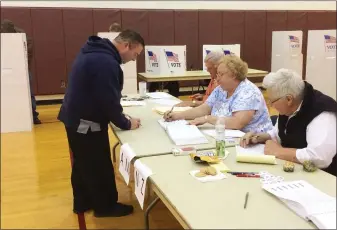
147	212
81	221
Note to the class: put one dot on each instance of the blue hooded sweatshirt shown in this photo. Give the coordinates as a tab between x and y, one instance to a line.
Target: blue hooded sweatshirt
95	85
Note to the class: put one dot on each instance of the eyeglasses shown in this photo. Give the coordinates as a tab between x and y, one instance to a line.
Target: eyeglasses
273	101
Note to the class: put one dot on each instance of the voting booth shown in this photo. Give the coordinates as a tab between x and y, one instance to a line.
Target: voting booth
16	107
287	51
321	61
227	49
165	60
129	69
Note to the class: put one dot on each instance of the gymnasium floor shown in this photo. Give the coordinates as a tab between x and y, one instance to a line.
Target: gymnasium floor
35	183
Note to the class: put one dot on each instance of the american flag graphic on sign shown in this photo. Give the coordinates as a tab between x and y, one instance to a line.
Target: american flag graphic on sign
329	39
152	56
173	57
294	39
227	52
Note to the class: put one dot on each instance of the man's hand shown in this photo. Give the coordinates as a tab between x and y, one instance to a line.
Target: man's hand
197	97
272	148
198	121
171	116
248	139
135	123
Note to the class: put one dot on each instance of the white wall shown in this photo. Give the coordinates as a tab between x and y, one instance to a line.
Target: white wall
230	5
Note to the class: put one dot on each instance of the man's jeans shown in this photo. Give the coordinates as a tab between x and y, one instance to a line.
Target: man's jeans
35	114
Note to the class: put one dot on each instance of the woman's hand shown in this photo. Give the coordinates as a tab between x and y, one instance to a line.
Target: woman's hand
197	97
198	121
173	116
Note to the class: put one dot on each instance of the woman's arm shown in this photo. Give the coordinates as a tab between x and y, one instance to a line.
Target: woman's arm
237	121
190	114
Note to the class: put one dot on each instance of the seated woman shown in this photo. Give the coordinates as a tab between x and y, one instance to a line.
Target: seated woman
211	61
306	125
238	100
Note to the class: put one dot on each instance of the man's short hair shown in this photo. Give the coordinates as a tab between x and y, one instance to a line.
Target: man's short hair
130	36
115	27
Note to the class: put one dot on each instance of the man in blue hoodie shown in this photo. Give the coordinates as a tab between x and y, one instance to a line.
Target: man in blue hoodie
92	100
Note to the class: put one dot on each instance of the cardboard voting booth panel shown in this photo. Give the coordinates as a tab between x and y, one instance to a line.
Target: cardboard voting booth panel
287	51
227	49
165	59
321	61
16	107
129	69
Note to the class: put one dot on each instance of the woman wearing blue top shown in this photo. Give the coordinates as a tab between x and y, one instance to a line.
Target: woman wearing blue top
236	98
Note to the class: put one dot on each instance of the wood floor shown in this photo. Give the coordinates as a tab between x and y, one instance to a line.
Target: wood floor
35	183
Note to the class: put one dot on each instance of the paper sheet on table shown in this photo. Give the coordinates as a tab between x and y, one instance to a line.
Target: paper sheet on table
164	102
162	109
228	133
208	178
132	103
307	201
254	154
159	95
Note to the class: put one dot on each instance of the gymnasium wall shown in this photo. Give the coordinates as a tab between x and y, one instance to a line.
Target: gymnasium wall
59	32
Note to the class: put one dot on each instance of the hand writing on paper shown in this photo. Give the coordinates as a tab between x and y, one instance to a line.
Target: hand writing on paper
198	121
272	148
171	116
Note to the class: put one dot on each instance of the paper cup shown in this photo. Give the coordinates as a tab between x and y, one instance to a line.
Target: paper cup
142	88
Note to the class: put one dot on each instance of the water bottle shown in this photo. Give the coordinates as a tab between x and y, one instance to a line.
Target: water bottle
220	137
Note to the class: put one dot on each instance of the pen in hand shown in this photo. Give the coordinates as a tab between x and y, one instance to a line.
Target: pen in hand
168	114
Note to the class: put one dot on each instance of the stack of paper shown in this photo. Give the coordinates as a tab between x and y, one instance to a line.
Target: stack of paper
162	109
183	134
165	124
307	201
132	103
254	154
159	95
164	102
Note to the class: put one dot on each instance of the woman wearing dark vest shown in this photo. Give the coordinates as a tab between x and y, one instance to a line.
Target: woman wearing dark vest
306	125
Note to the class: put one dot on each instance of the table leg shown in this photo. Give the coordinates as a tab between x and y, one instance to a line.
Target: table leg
114	152
147	212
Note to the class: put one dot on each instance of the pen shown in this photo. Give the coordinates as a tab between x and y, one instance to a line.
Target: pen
236	173
246	200
170	110
248	175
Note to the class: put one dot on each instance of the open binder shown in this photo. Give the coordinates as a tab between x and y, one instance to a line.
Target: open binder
181	133
306	201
